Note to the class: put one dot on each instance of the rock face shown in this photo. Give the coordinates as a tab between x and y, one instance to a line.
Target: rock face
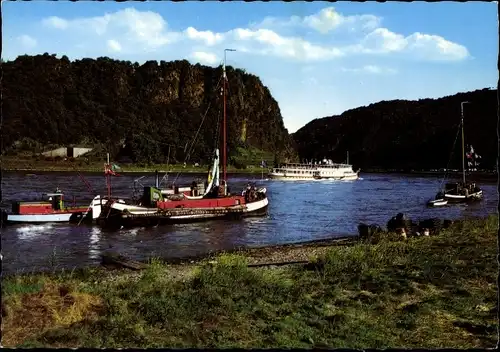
405	135
150	107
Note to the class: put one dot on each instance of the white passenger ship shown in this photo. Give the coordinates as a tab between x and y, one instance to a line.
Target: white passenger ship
323	170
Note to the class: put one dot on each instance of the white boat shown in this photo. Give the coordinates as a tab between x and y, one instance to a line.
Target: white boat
50	209
437	202
38	218
324	171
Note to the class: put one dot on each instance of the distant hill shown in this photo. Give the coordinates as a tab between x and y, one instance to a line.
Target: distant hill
402	134
137	110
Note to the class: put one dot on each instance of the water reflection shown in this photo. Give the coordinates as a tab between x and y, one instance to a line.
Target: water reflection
31	232
94	246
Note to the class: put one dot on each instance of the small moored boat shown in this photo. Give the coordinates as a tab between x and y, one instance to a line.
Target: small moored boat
437	202
465	191
49	209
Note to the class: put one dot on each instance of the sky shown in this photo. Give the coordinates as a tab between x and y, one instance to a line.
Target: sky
317	58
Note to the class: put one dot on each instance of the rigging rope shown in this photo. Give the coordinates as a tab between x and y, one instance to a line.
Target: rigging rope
451	156
197	132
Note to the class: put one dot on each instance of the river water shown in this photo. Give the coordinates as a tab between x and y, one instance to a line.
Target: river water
298	211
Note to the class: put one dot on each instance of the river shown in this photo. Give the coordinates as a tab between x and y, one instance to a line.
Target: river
298	211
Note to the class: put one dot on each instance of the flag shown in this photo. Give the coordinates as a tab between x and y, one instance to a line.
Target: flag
263	164
472	157
109	170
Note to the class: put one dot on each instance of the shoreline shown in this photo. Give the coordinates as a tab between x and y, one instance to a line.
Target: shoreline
249	252
150	170
125	170
25	164
21	165
421	292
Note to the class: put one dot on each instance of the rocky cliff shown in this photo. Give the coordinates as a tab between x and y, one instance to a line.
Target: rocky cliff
402	134
145	111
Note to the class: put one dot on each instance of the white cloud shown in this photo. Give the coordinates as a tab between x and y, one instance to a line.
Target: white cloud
267	42
27	42
133	31
328	19
379	41
134	27
208	37
324	21
204	57
435	47
421	46
114	46
371	69
382	40
55	22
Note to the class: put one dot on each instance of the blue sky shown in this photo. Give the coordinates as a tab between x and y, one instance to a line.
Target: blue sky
318	58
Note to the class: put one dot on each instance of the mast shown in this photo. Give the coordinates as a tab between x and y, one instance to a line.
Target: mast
108	178
463	139
347	157
224	144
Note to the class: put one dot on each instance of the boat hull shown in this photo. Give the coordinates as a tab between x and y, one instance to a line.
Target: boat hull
437	203
39	218
458	198
120	216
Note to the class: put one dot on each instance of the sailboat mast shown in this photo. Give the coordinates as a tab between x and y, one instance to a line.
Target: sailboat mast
108	178
463	139
347	157
224	120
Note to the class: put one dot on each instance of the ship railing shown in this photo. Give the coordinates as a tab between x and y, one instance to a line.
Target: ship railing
313	165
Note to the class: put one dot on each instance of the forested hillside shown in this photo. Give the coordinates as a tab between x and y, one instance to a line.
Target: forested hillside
401	134
136	110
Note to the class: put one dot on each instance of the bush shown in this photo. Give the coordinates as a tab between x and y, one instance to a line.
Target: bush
239	164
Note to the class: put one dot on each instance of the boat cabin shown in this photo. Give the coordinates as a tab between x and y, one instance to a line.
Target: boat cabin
49	203
56	199
461	188
152	195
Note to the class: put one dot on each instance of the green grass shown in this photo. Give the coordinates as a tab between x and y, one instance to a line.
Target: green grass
31	164
252	157
431	292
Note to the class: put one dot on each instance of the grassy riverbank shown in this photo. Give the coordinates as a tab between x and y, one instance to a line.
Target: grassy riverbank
430	292
33	165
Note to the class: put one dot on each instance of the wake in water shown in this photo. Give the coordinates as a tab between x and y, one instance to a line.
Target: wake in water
29	232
